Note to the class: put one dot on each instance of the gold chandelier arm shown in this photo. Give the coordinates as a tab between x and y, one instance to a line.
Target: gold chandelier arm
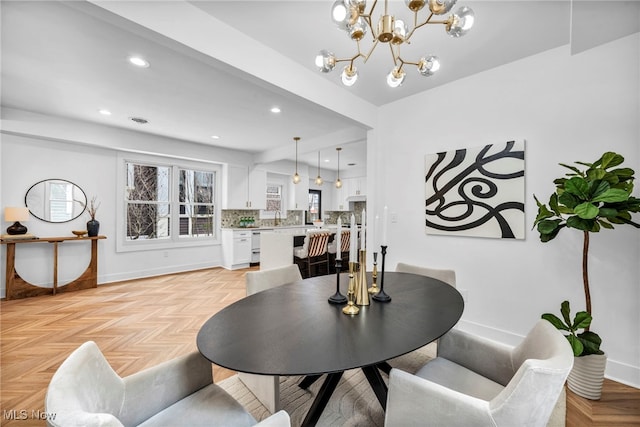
367	20
396	57
373	6
403	62
428	21
353	58
366	57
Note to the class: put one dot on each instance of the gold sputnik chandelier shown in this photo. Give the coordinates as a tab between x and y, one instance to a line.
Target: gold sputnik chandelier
350	16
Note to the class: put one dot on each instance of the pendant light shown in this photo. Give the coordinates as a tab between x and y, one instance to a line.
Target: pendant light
296	177
319	178
338	182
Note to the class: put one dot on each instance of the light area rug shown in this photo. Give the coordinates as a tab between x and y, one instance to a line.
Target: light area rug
352	404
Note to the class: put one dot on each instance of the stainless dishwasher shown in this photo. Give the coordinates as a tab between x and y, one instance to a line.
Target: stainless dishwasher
255	245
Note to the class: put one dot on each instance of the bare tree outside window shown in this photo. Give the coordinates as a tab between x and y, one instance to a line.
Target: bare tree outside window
274	198
155	193
148	207
196	191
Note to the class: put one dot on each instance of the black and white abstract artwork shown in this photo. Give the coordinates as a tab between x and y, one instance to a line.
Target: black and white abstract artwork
476	191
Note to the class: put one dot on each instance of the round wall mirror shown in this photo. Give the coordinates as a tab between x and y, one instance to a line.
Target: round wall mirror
55	200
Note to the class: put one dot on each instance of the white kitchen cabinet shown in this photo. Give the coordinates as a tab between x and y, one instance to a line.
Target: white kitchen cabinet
246	189
351	187
236	248
358	186
257	189
340	198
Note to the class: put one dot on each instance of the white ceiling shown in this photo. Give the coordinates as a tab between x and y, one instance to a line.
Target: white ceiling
504	31
69	59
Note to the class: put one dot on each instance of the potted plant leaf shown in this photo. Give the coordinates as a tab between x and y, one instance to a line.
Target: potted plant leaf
591	197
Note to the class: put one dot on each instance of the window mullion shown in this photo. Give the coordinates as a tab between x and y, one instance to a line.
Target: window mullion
174	203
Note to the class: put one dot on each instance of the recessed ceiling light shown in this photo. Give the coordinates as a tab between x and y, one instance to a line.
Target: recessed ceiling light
104	112
139	120
351	164
138	62
215	137
275	109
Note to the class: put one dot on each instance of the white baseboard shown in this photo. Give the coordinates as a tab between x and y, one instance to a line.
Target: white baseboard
615	371
131	275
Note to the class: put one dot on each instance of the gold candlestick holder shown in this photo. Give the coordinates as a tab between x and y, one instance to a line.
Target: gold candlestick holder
351	308
374	275
362	294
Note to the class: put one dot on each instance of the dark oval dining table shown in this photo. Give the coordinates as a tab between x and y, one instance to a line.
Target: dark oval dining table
293	330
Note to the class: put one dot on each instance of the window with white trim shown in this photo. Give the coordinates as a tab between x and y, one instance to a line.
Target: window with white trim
197	211
167	204
276	195
148	208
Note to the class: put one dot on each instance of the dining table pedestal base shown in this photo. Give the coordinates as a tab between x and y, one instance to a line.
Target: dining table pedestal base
371	373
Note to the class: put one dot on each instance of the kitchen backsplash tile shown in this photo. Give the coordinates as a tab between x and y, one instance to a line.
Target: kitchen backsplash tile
230	218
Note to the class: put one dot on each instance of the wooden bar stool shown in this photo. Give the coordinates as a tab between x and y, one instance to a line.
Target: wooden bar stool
313	253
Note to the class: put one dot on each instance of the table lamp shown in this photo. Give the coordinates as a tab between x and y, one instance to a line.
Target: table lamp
16	215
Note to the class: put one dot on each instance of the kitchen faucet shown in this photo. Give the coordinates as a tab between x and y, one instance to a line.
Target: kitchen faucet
278	218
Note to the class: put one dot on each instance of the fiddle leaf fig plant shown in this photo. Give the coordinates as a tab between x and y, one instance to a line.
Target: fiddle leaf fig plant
591	197
583	343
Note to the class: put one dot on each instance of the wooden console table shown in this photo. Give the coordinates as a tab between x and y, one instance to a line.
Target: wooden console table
17	287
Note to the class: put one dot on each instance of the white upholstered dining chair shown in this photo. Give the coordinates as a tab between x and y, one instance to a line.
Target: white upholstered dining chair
447	276
257	281
267	388
479	382
86	391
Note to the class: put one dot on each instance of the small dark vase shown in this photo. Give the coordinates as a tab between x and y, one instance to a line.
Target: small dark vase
93	227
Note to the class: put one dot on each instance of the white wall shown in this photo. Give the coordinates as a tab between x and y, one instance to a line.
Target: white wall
567	108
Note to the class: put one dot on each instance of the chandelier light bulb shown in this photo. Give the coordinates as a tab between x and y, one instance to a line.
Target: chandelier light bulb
358	30
415	5
296	178
358	5
440	7
428	65
400	31
325	61
460	22
338	183
396	77
349	75
340	14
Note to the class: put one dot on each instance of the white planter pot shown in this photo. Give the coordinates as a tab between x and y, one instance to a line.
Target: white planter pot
587	375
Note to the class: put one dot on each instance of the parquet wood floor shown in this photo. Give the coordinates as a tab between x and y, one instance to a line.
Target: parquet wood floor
140	323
